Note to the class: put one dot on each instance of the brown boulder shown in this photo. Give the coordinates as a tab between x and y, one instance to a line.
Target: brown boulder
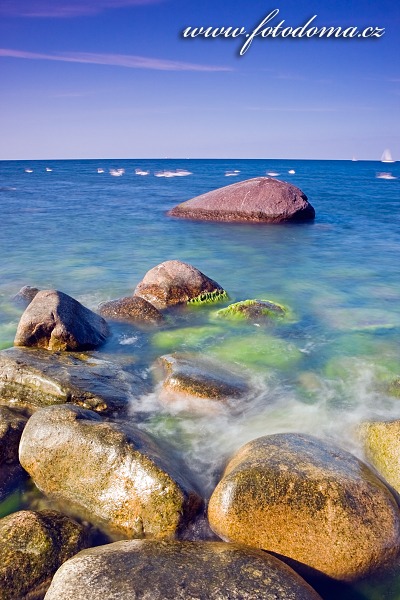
112	474
177	571
200	385
132	308
32	547
25	296
309	501
55	321
175	282
261	199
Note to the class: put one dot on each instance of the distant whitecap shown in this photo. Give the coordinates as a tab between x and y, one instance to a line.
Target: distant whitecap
232	173
291	172
385	176
28	170
272	173
117	172
48	170
141	172
100	170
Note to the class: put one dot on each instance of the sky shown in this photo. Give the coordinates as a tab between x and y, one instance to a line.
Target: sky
118	79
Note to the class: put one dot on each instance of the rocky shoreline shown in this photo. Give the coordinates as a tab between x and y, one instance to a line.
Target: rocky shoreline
291	509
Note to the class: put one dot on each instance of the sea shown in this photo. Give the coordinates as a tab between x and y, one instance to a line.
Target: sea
93	228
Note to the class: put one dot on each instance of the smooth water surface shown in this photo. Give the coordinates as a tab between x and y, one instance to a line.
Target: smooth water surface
94	236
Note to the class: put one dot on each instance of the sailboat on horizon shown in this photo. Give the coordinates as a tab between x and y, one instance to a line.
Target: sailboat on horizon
387	157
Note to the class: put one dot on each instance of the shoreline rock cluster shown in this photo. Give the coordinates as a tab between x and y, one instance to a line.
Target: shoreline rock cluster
291	509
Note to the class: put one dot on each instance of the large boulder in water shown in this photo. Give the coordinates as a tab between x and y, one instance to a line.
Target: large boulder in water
177	570
112	474
309	501
262	199
32	547
381	441
55	321
31	378
175	282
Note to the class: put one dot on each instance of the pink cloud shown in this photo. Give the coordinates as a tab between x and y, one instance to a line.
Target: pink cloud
116	60
64	8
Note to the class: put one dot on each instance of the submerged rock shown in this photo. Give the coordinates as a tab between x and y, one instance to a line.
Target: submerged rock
132	308
32	547
253	310
177	570
381	440
25	296
175	282
31	379
261	199
12	424
55	321
198	384
114	475
308	501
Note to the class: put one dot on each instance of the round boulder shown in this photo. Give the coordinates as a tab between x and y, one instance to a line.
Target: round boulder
177	570
32	547
381	441
261	199
309	501
175	282
132	308
55	321
112	474
253	310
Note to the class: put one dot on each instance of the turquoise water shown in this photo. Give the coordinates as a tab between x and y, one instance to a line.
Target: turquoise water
94	236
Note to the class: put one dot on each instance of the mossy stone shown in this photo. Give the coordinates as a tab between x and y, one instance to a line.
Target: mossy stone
253	310
381	441
32	547
257	351
186	337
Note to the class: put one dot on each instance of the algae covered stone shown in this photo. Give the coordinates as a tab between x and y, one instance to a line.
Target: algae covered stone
175	282
55	321
113	474
186	338
177	570
381	441
308	501
32	547
253	310
261	199
194	383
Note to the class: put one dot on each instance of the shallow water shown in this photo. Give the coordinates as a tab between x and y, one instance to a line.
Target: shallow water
94	236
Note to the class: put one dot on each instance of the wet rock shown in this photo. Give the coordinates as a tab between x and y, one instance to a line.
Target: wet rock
33	378
261	199
309	501
12	424
177	570
253	310
175	282
55	321
132	308
381	440
113	474
25	296
394	388
198	384
32	547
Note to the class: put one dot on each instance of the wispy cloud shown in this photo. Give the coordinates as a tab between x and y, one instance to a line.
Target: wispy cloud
309	109
116	60
64	8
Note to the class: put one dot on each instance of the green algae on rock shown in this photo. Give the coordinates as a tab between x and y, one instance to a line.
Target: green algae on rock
257	351
32	547
251	310
190	338
208	298
113	474
381	441
177	570
309	501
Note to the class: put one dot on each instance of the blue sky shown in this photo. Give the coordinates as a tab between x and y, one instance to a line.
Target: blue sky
115	78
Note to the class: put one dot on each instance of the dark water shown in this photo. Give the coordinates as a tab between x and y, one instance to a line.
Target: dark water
94	236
